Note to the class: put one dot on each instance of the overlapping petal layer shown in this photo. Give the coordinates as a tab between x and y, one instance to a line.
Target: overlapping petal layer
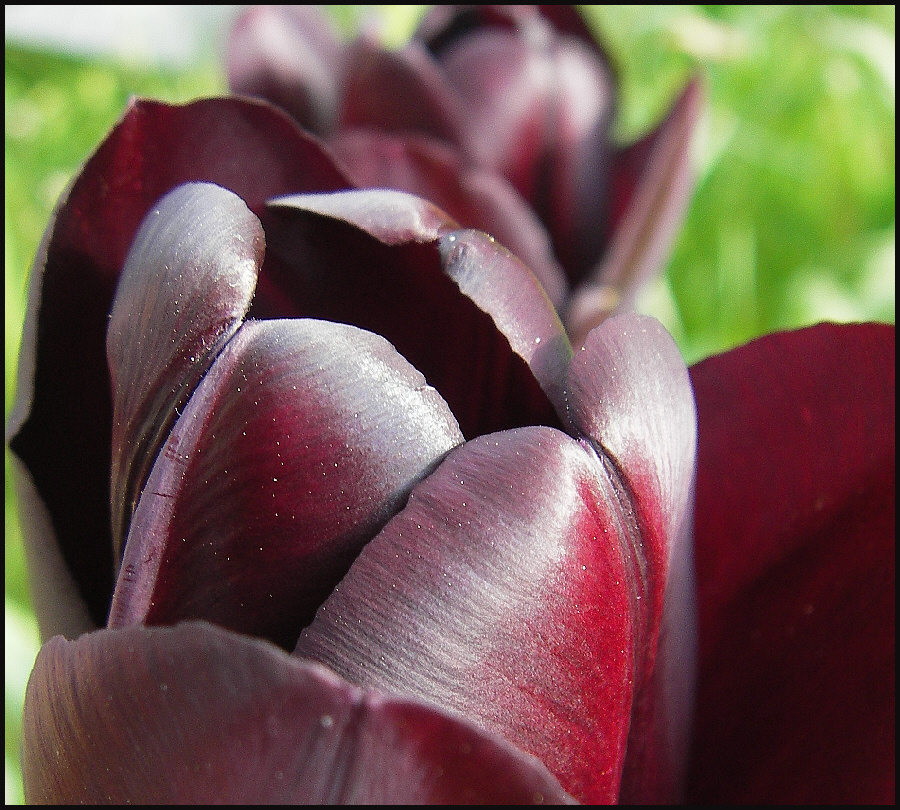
462	309
184	290
61	426
521	93
506	592
522	585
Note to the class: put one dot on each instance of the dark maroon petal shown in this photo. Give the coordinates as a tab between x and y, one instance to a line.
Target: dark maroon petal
651	185
398	91
197	715
291	56
473	197
573	198
506	592
505	85
185	288
629	393
464	311
795	546
303	439
538	109
61	425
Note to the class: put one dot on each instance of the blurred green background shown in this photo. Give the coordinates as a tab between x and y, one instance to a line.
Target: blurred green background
792	221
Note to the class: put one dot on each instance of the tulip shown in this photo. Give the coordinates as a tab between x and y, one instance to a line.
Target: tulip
501	115
524	512
321	507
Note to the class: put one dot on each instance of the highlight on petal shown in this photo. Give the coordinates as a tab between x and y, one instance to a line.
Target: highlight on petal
651	185
507	591
197	715
795	554
395	264
185	288
474	197
291	56
61	426
301	441
629	393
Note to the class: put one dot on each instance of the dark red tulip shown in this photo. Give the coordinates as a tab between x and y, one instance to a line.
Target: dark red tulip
329	511
310	391
501	115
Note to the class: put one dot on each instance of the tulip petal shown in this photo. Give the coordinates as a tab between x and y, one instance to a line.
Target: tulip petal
795	545
301	441
291	56
507	592
197	715
464	311
61	423
629	393
398	91
473	197
185	288
651	185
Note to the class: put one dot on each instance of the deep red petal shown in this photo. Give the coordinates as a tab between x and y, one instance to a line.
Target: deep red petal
61	424
507	591
197	715
464	311
795	543
628	391
303	439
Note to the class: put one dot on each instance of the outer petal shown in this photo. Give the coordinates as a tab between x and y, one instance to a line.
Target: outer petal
61	425
185	288
299	444
291	56
795	546
629	393
197	715
464	311
508	592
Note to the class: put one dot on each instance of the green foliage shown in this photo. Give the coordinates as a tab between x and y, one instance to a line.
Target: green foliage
792	221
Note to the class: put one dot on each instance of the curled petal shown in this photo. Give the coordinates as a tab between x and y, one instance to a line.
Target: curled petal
508	591
302	440
61	425
185	288
196	715
795	547
464	311
629	393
